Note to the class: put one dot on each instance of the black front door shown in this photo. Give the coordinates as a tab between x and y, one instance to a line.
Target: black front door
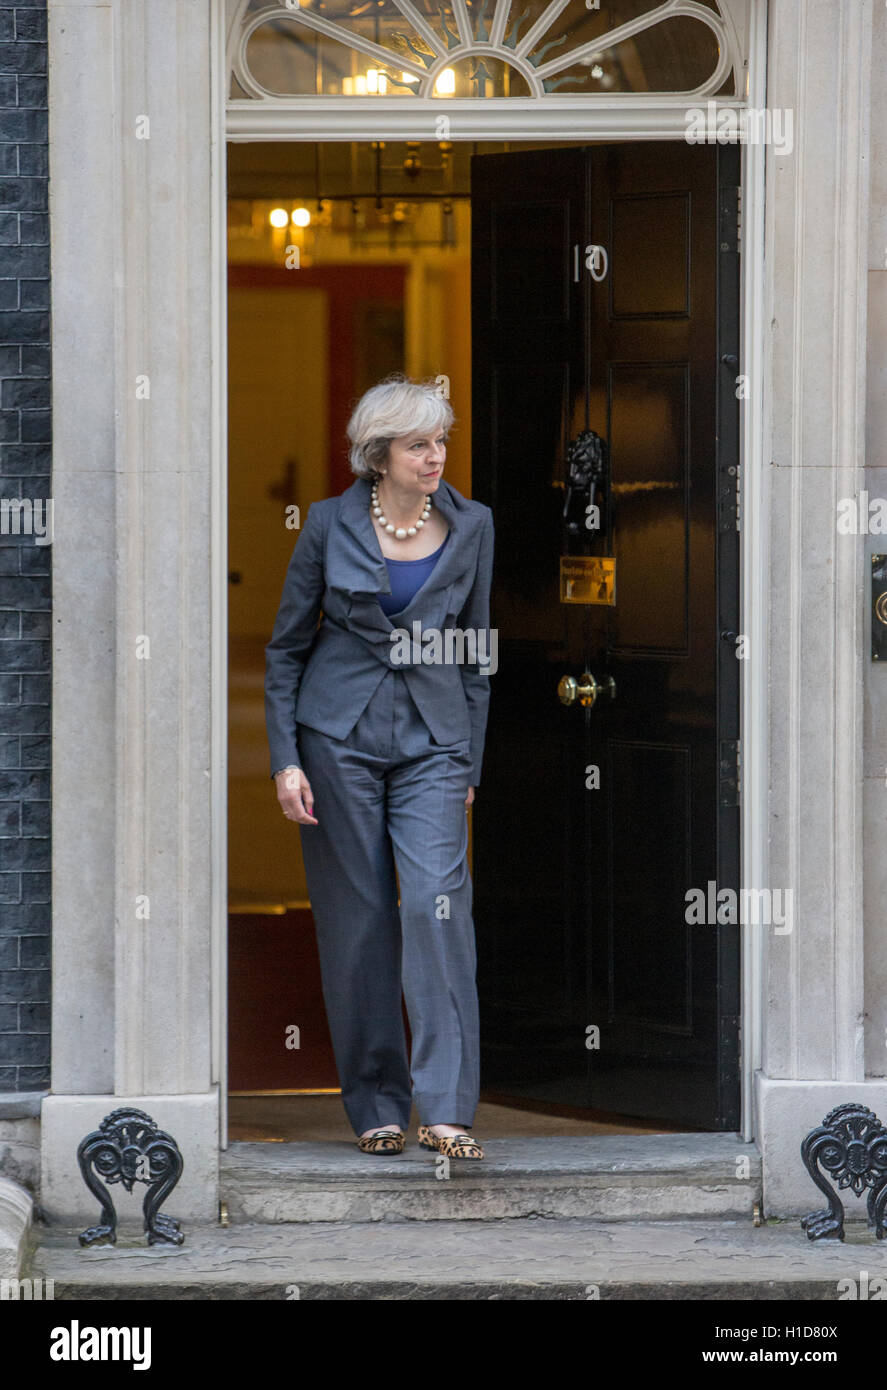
605	298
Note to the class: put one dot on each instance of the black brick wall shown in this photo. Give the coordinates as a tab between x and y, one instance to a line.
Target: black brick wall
25	581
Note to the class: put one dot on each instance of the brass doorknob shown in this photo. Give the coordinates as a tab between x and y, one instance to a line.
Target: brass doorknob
585	690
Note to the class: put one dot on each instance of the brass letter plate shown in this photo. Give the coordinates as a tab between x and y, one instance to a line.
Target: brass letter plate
588	579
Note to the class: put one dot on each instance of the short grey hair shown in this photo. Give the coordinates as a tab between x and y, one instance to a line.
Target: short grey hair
394	408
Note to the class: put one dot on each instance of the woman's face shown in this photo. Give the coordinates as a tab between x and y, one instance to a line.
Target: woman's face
416	461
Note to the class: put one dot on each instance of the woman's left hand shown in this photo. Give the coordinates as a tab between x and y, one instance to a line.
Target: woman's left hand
470	797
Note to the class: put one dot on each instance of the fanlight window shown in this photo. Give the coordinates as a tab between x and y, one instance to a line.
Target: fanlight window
483	48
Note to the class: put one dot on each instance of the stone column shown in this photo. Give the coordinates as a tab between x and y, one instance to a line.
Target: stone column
876	485
819	66
132	205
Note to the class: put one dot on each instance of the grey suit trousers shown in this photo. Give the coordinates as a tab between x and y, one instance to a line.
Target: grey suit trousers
389	795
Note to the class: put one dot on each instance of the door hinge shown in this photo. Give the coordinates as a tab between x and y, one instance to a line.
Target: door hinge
729	772
730	218
738	221
729	494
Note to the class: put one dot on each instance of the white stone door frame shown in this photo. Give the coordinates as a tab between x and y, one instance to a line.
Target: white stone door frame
219	542
623	118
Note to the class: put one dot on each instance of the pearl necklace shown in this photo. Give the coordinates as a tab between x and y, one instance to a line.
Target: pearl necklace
400	533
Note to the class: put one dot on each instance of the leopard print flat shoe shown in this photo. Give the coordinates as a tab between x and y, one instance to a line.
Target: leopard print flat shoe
384	1141
450	1145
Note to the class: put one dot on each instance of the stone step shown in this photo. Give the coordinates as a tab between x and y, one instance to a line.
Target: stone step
608	1178
463	1260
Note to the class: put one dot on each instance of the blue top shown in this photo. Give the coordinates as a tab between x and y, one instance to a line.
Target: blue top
407	578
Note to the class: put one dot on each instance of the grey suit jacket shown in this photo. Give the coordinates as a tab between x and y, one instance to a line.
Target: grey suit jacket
324	676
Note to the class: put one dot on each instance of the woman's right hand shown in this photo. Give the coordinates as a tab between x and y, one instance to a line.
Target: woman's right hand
295	795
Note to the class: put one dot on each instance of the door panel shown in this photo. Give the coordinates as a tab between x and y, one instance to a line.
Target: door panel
648	412
595	990
650	277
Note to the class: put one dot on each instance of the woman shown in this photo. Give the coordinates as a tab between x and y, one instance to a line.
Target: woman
387	749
